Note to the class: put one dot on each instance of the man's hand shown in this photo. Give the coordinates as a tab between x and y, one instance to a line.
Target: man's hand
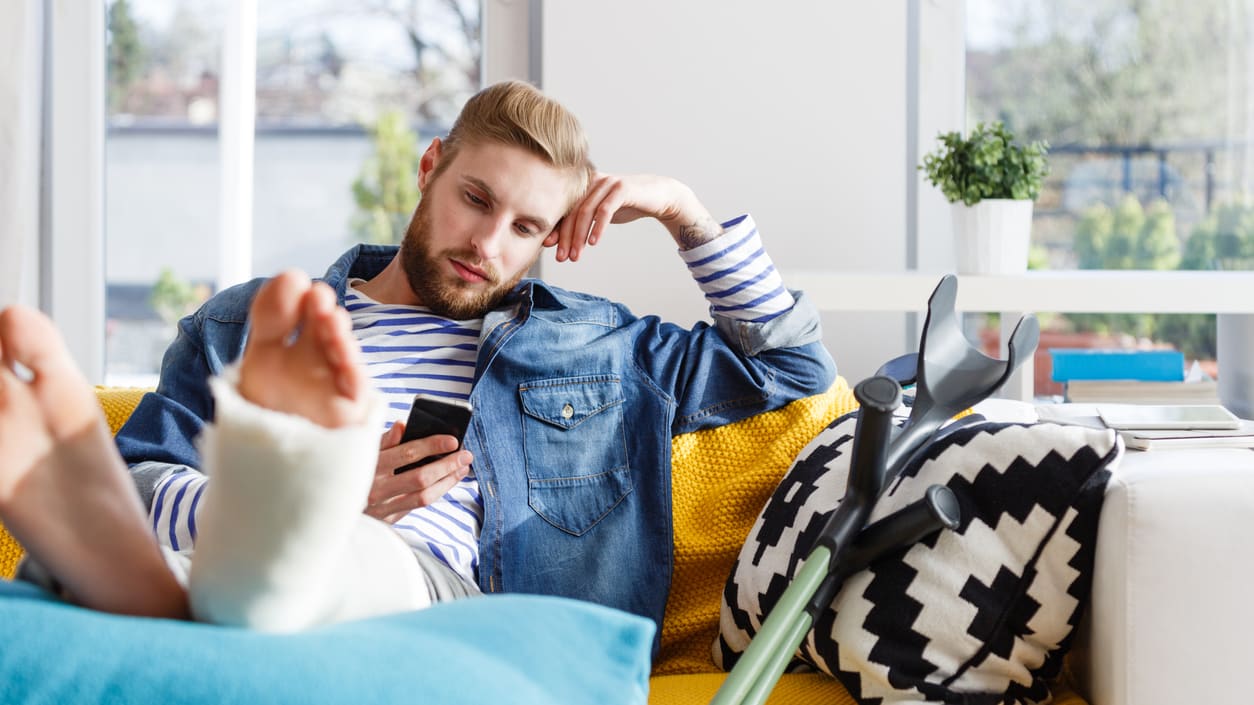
393	496
621	199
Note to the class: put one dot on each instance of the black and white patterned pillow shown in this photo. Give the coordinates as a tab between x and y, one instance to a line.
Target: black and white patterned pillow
984	613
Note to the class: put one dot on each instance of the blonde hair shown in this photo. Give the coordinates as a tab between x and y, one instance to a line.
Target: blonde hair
517	114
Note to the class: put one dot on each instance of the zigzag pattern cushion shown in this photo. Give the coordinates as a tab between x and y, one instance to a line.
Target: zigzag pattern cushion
982	614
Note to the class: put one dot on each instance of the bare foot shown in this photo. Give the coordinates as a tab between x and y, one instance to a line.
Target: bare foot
285	497
64	491
301	357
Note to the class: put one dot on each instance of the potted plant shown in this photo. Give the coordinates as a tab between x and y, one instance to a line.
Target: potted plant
991	180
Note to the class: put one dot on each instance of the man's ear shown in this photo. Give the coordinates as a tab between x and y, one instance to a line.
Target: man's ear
427	164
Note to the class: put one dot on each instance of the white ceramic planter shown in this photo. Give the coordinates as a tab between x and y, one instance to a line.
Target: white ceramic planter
992	236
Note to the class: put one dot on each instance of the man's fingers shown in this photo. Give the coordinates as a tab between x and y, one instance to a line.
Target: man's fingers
554	236
387	484
605	211
592	209
564	230
580	220
392	436
393	454
420	487
412	451
614	198
398	507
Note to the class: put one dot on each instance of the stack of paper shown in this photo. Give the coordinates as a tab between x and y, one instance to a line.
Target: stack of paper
1241	437
1204	391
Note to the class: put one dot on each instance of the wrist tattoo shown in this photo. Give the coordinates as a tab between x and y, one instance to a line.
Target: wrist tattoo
698	233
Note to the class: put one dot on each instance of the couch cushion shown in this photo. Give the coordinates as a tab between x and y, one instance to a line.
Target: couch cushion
117	403
792	689
10	553
522	649
986	611
720	479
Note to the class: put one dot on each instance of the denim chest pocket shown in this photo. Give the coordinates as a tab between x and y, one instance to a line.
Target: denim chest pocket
576	450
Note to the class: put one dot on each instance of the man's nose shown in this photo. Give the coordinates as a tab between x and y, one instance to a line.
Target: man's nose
488	241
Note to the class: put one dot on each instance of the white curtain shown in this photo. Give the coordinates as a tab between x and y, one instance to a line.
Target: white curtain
20	117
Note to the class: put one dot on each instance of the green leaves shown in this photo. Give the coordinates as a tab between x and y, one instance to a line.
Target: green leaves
386	190
172	297
1224	240
987	164
1128	236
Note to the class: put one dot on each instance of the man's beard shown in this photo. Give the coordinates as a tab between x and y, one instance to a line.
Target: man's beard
448	296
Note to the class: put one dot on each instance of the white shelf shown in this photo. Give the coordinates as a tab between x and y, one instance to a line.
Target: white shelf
1105	291
1043	291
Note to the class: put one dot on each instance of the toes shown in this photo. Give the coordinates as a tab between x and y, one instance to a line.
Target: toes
301	356
58	389
29	338
318	302
330	328
276	310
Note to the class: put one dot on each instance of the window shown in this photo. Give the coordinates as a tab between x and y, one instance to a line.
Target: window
161	176
326	73
1147	108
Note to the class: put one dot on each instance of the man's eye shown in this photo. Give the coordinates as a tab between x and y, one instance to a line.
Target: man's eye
475	199
522	229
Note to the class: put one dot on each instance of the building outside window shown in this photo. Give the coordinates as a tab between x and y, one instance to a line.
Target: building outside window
344	90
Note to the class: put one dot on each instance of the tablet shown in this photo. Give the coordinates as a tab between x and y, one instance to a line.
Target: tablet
1131	417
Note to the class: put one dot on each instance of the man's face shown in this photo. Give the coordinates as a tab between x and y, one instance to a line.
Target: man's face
480	226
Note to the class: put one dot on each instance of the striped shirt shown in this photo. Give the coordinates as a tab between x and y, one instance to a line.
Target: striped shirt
409	349
737	276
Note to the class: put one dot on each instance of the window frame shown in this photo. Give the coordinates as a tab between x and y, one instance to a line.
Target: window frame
72	195
72	230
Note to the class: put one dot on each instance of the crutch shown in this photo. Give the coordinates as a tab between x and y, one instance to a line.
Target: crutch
949	375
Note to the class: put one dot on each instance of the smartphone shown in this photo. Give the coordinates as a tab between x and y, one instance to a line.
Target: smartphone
430	416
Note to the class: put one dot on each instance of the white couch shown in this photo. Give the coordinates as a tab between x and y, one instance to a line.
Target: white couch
1171	621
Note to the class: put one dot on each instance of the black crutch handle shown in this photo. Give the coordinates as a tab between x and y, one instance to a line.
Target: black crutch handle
938	509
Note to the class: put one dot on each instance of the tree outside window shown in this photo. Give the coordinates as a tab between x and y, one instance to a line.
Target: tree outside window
1147	108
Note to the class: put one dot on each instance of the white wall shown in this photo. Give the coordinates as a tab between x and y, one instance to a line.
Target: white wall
793	111
941	77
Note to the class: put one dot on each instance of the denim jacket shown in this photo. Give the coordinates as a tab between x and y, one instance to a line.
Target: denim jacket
576	401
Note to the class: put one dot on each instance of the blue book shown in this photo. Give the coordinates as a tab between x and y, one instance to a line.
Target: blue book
1143	365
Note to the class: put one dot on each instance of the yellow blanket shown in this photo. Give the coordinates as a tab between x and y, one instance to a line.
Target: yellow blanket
117	404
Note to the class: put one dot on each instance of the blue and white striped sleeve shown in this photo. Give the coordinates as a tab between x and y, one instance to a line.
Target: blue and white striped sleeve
175	506
737	276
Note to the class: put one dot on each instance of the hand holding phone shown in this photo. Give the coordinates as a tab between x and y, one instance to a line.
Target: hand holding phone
431	416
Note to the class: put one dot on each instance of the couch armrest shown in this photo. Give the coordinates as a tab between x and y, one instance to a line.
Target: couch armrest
1170	619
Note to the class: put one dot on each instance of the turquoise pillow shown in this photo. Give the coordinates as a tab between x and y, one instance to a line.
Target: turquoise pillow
495	649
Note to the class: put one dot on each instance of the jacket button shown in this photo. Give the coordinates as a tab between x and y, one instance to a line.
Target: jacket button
568	411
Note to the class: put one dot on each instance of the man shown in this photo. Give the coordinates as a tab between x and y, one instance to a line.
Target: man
562	486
